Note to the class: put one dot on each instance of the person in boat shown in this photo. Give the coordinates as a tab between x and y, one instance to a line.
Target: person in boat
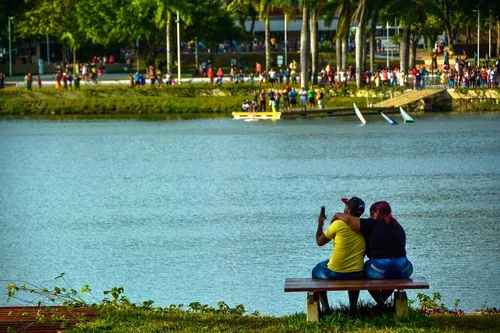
245	106
385	246
346	260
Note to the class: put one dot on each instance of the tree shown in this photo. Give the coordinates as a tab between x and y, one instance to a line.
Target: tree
163	19
106	22
374	16
304	45
314	43
211	26
39	20
244	11
263	7
360	16
343	8
412	15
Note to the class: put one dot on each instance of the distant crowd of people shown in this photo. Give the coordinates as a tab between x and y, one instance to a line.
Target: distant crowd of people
306	99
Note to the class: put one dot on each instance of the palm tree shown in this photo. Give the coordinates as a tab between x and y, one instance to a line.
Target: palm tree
304	45
360	16
74	44
263	7
412	15
374	14
163	18
343	30
314	41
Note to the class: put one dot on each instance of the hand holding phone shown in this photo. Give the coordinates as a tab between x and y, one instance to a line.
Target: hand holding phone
323	213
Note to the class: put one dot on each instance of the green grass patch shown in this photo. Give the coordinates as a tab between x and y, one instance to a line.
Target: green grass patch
188	101
116	313
211	320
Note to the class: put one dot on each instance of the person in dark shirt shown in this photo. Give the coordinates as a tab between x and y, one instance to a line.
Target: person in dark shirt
385	246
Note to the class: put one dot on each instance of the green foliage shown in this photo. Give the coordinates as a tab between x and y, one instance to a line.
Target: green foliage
64	295
434	305
396	39
212	26
39	20
118	314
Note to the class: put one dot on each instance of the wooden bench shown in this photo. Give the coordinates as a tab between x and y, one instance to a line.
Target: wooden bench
314	286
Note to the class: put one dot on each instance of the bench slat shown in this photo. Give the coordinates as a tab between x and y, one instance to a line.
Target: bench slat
309	284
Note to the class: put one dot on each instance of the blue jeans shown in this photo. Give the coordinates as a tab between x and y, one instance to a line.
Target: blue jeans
321	271
393	268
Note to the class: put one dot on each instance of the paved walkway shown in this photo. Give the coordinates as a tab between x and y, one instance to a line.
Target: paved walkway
408	97
49	80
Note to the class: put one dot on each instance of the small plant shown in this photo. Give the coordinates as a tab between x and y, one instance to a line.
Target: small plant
41	296
433	305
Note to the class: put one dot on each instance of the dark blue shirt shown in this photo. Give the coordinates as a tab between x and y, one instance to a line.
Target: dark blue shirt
383	240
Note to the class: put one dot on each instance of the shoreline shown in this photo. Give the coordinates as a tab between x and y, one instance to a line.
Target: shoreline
204	101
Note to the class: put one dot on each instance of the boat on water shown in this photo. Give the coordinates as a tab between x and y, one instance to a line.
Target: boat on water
406	116
389	119
255	116
358	113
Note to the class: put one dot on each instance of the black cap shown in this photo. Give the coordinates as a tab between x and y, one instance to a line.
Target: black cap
355	204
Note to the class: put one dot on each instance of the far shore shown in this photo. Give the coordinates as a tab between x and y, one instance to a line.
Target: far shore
203	100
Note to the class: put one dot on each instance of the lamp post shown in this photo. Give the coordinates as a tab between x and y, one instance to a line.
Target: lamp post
387	44
478	54
48	50
137	51
178	49
10	48
489	37
286	44
196	53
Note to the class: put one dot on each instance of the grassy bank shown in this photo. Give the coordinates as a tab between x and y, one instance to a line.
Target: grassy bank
339	321
187	100
116	313
159	321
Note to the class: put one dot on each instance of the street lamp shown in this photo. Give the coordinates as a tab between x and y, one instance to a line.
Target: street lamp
10	48
478	37
478	55
178	49
387	44
48	48
286	43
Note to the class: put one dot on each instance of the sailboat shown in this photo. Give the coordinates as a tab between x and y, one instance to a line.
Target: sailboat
389	120
406	116
358	113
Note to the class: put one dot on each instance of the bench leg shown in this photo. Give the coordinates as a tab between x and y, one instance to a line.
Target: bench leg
401	303
312	307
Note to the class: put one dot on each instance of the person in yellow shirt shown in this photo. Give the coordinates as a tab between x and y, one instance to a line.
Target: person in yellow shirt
346	260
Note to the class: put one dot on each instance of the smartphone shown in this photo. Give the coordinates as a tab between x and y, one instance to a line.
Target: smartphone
323	213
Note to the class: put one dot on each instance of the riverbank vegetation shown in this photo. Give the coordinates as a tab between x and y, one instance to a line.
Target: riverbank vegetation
198	100
116	313
188	100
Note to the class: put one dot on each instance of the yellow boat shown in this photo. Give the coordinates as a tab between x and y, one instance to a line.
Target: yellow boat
253	116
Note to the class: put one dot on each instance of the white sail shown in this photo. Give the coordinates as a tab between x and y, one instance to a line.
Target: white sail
406	116
389	120
358	113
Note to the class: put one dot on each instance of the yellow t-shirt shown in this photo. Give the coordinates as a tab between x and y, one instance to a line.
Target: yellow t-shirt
348	248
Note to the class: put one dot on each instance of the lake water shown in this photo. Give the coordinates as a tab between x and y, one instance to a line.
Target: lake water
223	210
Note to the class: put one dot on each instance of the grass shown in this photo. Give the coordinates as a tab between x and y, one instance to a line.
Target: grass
165	320
117	314
185	101
188	100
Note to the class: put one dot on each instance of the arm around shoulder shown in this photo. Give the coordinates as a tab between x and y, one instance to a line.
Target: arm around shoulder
353	222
